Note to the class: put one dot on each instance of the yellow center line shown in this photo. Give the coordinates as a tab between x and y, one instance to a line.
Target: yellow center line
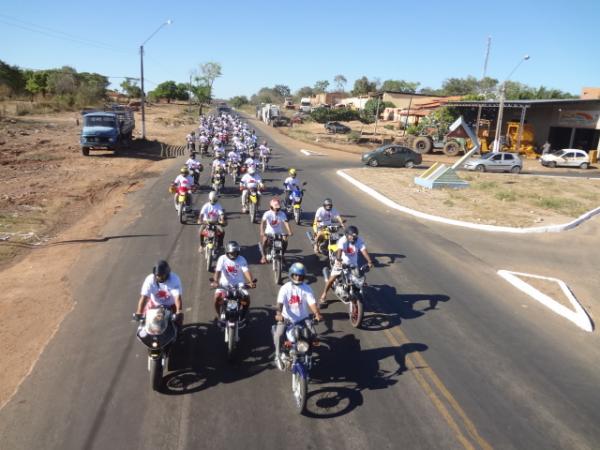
419	367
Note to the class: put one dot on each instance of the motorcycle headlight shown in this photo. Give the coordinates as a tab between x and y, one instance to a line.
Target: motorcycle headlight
232	305
111	139
302	346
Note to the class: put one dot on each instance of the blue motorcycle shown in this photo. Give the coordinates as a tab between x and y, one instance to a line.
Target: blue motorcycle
293	202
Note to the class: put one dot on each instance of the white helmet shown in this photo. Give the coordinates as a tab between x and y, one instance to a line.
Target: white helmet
212	197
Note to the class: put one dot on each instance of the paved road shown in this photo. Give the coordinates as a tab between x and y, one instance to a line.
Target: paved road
448	357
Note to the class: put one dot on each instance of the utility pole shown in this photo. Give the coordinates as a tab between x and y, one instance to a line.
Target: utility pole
143	93
485	64
377	114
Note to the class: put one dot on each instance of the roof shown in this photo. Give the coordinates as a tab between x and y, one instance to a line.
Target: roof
523	103
100	113
414	94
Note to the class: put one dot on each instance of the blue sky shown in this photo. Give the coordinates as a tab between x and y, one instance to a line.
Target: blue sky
296	43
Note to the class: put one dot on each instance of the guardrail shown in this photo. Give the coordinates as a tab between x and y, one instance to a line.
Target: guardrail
172	151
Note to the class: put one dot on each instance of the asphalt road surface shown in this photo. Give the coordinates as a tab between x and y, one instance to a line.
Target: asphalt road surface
446	358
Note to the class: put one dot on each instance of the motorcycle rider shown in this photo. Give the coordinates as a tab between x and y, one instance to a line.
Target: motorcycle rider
264	152
289	184
232	269
218	165
212	212
295	301
347	254
250	180
194	165
161	287
191	139
183	180
273	222
324	217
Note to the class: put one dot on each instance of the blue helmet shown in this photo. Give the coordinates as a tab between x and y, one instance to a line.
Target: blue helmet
297	273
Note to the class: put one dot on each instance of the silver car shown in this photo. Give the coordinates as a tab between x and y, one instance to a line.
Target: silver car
496	162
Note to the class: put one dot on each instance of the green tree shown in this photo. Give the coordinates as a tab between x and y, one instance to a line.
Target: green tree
182	92
63	81
131	89
373	108
282	90
321	86
363	86
267	95
91	88
460	86
166	89
239	101
12	78
37	83
400	86
210	72
340	82
305	91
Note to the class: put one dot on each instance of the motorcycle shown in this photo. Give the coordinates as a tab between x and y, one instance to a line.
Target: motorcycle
274	255
297	358
331	234
349	287
230	315
157	331
264	162
293	202
218	181
210	243
204	148
252	203
195	172
234	171
183	202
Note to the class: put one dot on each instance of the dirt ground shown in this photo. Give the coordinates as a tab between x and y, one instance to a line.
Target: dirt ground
493	199
50	193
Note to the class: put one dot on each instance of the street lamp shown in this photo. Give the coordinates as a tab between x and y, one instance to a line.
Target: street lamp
496	146
168	22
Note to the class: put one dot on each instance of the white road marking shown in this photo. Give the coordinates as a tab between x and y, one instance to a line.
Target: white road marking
577	315
310	152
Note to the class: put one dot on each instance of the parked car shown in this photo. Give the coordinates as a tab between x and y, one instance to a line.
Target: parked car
496	162
280	121
392	155
336	127
570	157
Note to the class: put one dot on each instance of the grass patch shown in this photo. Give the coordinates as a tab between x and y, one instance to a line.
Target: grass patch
561	205
485	185
505	196
448	202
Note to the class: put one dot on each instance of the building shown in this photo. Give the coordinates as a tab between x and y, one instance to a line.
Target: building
590	93
327	98
564	123
357	102
407	99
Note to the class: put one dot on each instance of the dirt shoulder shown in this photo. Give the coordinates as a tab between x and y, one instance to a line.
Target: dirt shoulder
50	193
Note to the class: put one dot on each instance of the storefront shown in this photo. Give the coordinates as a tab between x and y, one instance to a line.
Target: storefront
572	123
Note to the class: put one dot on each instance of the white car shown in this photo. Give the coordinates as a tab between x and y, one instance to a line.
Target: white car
570	157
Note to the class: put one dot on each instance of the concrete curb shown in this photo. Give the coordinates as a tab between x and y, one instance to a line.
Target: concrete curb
577	315
492	228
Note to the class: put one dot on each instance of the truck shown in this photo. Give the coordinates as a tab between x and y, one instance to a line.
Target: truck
269	112
305	105
110	128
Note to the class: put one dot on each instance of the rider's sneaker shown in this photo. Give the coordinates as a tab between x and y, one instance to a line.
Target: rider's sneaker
279	362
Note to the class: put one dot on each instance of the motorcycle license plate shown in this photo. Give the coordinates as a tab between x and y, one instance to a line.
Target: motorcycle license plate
232	304
181	198
277	244
335	236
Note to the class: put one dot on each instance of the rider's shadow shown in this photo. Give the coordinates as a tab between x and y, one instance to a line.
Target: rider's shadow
387	300
343	371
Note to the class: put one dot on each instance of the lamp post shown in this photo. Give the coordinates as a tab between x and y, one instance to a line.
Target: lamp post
168	22
496	146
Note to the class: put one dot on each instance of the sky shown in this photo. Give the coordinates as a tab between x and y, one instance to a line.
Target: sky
297	43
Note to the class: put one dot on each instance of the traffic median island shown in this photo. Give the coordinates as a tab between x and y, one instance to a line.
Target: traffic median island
493	202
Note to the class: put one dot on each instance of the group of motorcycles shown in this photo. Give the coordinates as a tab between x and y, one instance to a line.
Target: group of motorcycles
158	330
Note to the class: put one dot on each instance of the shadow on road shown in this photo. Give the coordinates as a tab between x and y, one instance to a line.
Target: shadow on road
343	371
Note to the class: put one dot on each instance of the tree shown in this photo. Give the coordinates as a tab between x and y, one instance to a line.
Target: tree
201	93
340	82
282	90
363	86
321	86
373	108
12	77
267	95
238	101
460	86
63	81
131	89
400	86
37	83
182	92
166	89
305	91
91	88
210	72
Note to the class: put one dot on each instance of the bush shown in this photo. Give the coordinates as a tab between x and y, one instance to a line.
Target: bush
322	115
354	137
389	127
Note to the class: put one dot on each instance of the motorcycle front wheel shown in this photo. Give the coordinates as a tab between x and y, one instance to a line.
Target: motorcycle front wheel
230	342
299	388
252	212
208	254
297	213
356	313
180	212
277	270
156	374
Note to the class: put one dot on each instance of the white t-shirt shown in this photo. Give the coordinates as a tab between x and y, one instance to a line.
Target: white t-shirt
211	212
296	300
184	181
290	183
350	251
233	156
324	217
232	272
274	222
193	164
162	293
250	181
218	164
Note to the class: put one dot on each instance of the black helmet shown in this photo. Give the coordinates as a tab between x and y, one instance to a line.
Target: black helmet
161	271
232	250
351	232
327	204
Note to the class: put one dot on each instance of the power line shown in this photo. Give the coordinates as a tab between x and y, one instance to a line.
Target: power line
46	31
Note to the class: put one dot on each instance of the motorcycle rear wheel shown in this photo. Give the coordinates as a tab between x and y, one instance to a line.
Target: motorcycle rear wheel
156	374
299	388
